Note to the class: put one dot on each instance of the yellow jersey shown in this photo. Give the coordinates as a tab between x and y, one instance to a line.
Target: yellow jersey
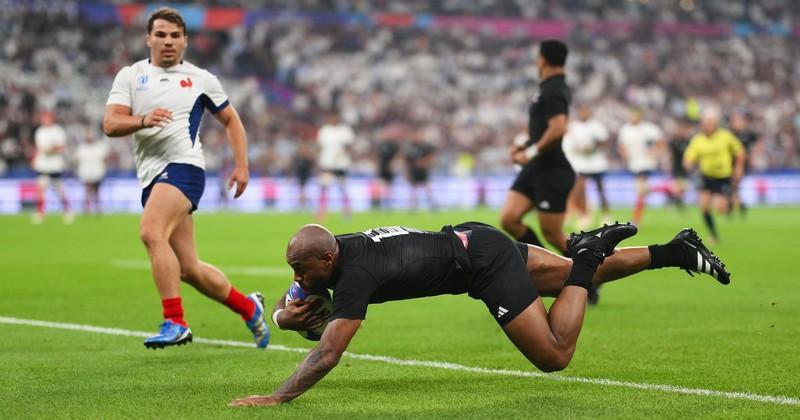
715	154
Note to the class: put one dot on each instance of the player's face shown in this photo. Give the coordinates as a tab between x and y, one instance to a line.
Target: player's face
312	273
540	64
738	122
167	43
709	124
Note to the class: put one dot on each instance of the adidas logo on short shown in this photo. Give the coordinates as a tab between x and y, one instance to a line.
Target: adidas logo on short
501	311
164	176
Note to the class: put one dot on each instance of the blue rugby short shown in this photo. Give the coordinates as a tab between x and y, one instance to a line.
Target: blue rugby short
190	179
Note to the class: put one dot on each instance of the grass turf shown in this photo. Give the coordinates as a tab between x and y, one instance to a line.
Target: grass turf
660	327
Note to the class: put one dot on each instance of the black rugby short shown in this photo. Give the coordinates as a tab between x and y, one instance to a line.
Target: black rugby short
386	174
716	185
419	176
548	190
498	274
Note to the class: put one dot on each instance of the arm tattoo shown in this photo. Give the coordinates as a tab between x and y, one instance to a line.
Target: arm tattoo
313	368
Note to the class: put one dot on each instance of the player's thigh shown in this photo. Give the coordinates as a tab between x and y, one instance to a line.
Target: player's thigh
547	270
530	333
577	195
720	201
551	223
165	209
598	183
515	207
704	199
641	184
182	243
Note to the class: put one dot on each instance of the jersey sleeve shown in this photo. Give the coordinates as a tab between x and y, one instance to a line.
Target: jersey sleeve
351	295
656	132
218	97
121	89
555	104
60	137
601	132
623	138
351	136
691	153
39	139
735	144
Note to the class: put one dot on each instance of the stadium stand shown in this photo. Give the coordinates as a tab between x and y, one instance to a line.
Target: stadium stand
464	71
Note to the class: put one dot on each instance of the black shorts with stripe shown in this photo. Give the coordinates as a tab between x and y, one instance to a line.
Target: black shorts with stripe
498	273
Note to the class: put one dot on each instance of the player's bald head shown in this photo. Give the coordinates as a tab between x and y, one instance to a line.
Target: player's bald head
709	120
311	241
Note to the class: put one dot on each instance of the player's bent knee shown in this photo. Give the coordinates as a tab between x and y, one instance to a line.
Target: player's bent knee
555	364
151	237
510	222
553	236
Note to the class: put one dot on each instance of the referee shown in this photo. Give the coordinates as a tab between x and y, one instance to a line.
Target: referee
720	156
546	177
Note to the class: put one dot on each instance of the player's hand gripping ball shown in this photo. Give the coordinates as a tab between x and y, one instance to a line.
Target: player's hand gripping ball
297	292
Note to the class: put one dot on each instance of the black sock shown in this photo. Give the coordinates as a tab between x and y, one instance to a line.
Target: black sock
668	255
583	268
710	223
529	237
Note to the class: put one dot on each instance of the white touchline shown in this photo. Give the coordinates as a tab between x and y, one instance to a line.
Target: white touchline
234	270
439	365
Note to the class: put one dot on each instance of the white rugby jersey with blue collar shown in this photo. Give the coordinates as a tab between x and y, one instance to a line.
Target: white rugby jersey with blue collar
184	89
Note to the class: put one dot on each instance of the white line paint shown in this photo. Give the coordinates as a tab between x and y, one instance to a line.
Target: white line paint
232	270
782	400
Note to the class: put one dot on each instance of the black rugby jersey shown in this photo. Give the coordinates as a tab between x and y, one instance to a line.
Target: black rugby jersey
748	139
677	148
395	263
554	99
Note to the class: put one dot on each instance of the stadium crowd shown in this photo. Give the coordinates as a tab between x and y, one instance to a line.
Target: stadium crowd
465	93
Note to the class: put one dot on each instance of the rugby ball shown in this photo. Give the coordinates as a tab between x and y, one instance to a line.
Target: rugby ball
297	292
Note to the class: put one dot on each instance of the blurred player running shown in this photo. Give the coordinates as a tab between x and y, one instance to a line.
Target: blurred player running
50	164
420	157
161	101
91	156
585	145
303	167
546	177
677	147
749	138
638	144
335	139
720	157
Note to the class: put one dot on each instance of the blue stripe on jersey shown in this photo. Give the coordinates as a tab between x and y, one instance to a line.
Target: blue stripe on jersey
202	103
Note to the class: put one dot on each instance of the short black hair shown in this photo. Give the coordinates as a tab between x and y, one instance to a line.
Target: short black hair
170	15
554	52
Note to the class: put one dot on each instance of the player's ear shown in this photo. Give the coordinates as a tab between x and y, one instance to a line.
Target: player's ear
147	40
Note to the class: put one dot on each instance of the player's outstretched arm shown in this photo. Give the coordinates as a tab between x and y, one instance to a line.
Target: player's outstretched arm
118	121
321	360
237	138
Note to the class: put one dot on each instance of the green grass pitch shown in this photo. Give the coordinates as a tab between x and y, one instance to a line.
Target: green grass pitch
660	327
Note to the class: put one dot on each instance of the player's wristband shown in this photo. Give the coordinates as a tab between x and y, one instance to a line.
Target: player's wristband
275	317
531	151
143	120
